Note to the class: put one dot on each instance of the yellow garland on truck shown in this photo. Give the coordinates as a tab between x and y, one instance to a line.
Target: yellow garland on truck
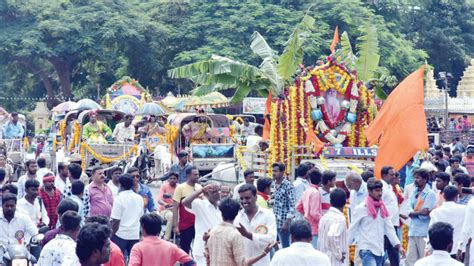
103	159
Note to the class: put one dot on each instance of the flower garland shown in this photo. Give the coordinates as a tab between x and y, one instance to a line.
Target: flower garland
55	144
240	158
350	90
62	132
273	134
171	135
103	159
26	143
76	138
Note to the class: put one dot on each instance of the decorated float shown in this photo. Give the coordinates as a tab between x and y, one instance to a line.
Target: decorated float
327	106
126	95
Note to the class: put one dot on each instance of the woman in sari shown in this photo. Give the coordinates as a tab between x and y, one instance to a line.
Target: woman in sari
96	131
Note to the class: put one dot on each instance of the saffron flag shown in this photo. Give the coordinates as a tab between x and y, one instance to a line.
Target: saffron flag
335	40
311	138
266	125
400	127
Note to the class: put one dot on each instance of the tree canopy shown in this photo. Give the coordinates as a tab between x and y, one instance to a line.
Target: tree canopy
76	48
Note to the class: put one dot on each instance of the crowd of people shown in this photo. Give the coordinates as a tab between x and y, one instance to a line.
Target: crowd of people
460	124
305	220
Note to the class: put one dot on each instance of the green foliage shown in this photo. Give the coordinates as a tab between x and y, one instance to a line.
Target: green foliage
368	52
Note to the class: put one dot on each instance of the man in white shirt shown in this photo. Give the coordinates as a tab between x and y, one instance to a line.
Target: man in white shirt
441	239
391	202
14	226
126	212
452	213
207	215
357	188
31	205
62	179
125	131
114	183
249	178
31	169
42	169
254	140
63	246
332	238
257	225
467	233
301	183
370	223
300	252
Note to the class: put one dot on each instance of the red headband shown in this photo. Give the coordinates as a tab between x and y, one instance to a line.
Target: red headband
49	177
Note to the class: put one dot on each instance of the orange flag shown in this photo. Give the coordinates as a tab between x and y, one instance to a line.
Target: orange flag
266	126
311	138
335	40
400	127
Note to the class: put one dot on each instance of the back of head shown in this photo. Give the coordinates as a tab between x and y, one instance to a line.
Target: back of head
151	223
315	176
366	175
300	230
92	237
328	176
100	219
263	183
41	162
450	193
337	198
77	187
132	169
71	221
11	188
67	205
3	173
248	172
126	181
441	236
190	169
75	170
302	170
229	209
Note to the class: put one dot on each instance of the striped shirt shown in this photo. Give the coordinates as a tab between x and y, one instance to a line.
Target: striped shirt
332	238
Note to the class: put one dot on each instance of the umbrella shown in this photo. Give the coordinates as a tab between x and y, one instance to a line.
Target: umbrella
151	109
87	104
211	100
64	107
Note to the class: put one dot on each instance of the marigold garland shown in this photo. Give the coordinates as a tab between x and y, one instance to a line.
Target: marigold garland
26	143
62	132
104	159
171	135
76	138
240	158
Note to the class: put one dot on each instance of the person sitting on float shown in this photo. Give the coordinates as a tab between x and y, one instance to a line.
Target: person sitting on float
197	131
96	131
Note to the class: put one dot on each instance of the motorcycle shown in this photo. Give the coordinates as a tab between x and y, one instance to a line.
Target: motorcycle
17	254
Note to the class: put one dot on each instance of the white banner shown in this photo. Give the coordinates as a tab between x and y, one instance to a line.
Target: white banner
254	105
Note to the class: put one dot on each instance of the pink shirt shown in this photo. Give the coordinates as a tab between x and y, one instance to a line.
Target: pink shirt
310	206
166	188
154	251
101	200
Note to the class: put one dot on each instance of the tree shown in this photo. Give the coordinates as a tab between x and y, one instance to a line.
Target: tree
52	39
274	73
444	29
